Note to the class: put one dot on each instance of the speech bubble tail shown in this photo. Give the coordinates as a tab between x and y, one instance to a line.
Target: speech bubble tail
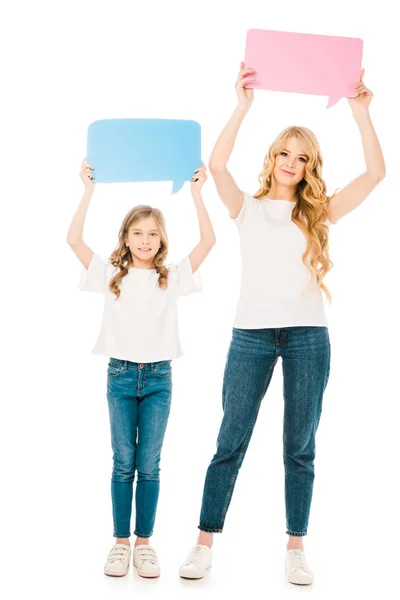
332	100
176	186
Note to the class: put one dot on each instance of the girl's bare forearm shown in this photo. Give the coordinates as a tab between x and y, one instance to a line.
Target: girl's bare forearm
75	232
207	234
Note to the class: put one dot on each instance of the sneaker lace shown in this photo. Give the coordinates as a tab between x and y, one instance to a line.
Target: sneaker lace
297	560
195	556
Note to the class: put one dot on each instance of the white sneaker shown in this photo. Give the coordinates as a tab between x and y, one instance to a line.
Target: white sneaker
118	560
145	560
199	560
296	568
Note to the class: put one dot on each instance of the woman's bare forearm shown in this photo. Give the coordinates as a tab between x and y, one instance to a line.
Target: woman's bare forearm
374	161
224	144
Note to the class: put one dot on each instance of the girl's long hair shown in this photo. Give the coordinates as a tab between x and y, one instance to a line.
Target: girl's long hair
122	257
311	209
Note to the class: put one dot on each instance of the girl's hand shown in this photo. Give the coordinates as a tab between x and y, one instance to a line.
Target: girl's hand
198	179
245	95
363	100
87	176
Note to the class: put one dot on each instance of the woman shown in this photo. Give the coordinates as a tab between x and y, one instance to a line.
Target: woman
284	245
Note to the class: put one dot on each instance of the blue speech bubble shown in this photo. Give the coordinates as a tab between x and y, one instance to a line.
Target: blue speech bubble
123	150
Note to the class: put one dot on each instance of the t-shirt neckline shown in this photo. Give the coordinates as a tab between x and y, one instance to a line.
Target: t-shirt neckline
279	200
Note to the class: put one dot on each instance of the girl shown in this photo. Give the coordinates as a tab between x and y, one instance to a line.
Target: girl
283	230
139	334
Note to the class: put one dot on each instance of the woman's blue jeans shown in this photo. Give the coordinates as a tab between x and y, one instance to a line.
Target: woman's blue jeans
252	356
139	399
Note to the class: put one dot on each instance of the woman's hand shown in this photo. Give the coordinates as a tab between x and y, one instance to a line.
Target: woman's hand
198	179
363	100
245	95
87	176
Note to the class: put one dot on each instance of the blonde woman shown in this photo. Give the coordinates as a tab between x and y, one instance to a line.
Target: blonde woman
283	232
139	334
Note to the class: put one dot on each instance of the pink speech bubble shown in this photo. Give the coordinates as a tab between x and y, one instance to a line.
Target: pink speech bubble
305	63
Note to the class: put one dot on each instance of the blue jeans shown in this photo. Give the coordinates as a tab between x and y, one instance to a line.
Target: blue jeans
139	400
252	356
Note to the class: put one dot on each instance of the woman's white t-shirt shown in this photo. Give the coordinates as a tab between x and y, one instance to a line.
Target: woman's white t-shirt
273	272
142	324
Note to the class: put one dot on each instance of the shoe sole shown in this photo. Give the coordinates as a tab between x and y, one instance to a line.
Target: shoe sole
296	582
146	576
110	574
191	577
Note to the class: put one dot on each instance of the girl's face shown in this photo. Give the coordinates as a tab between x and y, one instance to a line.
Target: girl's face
144	241
290	163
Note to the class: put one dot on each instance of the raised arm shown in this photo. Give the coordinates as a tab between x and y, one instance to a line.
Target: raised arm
227	188
357	190
207	235
75	232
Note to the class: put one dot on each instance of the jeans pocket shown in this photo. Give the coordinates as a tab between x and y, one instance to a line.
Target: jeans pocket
162	368
115	369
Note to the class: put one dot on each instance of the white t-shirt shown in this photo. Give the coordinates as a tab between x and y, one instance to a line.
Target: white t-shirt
273	272
142	324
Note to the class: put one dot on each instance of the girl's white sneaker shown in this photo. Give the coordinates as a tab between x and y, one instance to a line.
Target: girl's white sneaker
145	560
118	560
296	568
198	561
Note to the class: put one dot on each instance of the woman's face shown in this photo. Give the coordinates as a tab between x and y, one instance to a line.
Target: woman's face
144	239
290	163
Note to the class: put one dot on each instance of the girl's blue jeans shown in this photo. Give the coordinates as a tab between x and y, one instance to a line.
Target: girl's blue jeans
139	400
252	356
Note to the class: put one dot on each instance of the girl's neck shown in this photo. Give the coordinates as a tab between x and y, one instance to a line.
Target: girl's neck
139	264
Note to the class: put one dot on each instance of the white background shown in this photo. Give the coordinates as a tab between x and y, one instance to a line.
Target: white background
68	64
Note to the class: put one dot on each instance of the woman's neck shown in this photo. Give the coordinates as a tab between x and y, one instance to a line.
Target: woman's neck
282	192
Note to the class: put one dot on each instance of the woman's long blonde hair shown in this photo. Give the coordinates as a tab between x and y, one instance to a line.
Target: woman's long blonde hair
122	257
311	209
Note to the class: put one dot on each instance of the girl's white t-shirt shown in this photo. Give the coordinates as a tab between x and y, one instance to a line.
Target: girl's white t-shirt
142	324
273	272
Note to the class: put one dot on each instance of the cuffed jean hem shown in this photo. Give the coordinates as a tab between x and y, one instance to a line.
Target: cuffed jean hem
122	535
296	533
210	529
143	535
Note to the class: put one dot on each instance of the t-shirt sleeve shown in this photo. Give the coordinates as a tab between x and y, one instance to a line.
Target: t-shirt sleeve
184	279
95	278
327	222
247	207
